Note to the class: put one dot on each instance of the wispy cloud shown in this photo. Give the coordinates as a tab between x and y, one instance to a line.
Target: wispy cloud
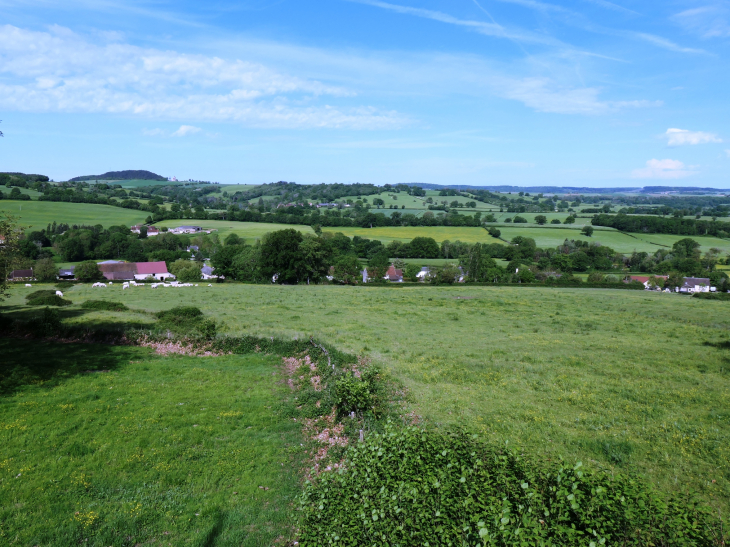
679	137
186	130
664	43
60	71
711	21
488	29
663	169
612	6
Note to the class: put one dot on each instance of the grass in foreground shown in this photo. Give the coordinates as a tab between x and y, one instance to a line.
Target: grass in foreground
117	446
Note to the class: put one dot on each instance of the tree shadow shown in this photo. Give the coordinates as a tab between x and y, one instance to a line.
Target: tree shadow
33	362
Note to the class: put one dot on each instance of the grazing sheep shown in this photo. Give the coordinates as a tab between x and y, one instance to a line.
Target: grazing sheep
59	293
27	285
99	285
210	284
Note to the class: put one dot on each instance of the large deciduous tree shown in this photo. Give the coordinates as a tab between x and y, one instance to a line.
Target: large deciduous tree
281	256
88	271
10	235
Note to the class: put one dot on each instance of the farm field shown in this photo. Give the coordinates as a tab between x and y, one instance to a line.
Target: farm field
102	443
406	233
38	214
418	203
247	230
618	241
632	380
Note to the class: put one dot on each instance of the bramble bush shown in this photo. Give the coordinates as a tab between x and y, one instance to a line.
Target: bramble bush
411	486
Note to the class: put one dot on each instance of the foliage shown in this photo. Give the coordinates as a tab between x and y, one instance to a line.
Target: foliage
587	231
280	256
412	486
187	271
186	320
105	305
46	298
661	225
45	270
88	271
347	270
10	232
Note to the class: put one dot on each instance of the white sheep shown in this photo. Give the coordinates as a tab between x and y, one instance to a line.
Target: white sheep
210	284
59	293
28	285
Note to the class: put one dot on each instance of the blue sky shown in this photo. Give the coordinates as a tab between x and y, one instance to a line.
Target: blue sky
481	92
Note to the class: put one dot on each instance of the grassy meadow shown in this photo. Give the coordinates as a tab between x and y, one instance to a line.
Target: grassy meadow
249	231
631	380
38	214
103	446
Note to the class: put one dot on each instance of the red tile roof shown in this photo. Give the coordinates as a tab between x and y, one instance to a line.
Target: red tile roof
151	268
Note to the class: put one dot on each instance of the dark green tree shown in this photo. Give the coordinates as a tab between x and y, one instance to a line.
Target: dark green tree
88	271
281	256
540	219
347	270
587	231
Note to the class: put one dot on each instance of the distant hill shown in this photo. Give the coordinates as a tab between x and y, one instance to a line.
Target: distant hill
23	177
575	189
129	174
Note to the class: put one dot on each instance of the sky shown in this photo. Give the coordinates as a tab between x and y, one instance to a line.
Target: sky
475	92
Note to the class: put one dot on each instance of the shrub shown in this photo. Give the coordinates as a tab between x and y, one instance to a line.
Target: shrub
186	320
411	486
519	220
494	232
555	221
48	324
46	298
595	277
103	305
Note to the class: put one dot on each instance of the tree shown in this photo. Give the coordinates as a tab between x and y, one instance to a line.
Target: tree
519	220
587	231
685	248
423	247
541	219
143	232
222	259
186	271
281	256
494	232
232	239
411	272
314	258
378	265
446	275
569	220
674	280
45	270
347	270
10	233
555	221
88	271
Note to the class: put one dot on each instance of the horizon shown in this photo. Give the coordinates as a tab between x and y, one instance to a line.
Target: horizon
572	93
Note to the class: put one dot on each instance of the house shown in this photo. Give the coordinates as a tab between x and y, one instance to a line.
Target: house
207	272
186	230
115	270
158	270
394	275
193	249
21	274
151	230
696	284
644	279
67	273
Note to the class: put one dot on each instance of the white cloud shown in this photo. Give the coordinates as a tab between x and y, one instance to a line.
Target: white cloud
679	137
706	21
186	130
60	71
662	169
664	43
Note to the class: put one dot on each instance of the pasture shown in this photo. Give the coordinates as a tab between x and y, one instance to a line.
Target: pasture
38	214
628	380
137	183
104	445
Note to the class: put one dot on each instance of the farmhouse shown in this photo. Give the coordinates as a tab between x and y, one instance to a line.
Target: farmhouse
186	230
207	272
696	284
158	270
66	273
151	230
394	275
21	274
114	270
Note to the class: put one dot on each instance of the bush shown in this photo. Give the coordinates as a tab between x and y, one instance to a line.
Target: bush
519	220
711	295
595	277
46	298
187	320
555	221
411	486
48	324
103	305
494	232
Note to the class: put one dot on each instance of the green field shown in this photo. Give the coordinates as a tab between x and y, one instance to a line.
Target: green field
104	445
633	380
38	214
136	183
406	233
247	230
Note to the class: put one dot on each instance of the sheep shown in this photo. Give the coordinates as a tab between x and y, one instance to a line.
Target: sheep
59	293
28	285
210	284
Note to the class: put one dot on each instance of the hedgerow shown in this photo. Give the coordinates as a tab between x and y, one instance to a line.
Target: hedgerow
413	486
104	305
